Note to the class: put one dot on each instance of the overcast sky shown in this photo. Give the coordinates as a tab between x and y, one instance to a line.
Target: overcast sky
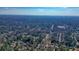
61	11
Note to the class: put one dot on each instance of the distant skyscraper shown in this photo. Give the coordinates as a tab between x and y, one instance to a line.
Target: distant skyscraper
51	29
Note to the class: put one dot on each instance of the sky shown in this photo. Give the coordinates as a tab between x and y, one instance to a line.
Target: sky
52	11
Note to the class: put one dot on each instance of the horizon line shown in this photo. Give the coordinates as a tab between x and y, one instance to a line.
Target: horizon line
36	15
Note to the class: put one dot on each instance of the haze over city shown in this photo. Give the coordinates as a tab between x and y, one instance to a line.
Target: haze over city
51	11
